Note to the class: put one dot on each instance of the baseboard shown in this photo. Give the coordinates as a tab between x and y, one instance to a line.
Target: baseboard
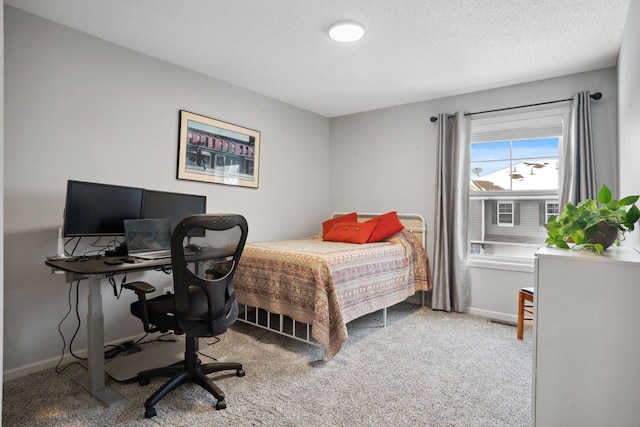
495	315
31	368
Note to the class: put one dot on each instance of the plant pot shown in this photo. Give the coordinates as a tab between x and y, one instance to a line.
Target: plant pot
603	233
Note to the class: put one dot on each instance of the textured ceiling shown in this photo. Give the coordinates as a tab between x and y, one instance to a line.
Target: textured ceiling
414	50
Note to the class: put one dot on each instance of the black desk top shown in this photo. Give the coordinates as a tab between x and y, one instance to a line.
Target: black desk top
96	265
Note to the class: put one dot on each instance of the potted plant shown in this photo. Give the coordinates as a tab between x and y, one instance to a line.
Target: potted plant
593	225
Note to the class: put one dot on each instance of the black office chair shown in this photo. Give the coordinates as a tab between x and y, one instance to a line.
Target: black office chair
203	303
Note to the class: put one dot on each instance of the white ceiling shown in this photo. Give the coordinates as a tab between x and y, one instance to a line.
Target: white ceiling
413	50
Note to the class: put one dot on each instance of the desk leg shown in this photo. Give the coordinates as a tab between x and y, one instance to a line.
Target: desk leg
93	380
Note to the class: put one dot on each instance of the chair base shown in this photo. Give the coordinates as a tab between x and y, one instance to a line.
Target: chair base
190	371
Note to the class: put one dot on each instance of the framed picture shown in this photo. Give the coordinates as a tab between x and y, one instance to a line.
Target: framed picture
217	152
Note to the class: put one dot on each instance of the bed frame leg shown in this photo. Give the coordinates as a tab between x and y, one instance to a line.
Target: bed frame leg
384	317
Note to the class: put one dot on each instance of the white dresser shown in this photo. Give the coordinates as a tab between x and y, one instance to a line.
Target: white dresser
586	352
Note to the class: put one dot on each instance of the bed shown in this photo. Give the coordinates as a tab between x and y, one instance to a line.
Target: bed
309	289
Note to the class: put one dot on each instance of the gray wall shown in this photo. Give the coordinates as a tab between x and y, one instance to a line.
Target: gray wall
629	109
1	198
80	108
386	160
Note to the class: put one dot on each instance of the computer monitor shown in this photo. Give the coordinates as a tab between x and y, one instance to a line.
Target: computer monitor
94	209
173	206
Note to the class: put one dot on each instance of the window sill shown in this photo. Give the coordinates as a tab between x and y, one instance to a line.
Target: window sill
501	263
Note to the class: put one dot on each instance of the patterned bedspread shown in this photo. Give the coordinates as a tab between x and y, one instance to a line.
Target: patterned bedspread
327	284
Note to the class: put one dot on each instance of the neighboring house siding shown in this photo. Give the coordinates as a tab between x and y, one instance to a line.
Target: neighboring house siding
475	220
527	230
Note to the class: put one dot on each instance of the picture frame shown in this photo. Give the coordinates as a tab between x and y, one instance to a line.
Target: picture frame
217	152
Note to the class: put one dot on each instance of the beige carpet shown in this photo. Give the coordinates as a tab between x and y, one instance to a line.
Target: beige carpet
426	368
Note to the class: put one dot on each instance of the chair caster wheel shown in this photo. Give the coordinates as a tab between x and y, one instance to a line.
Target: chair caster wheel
221	404
143	381
240	373
150	412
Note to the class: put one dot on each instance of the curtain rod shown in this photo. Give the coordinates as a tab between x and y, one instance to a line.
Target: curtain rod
595	96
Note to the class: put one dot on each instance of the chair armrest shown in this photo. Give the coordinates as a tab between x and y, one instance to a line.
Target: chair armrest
142	288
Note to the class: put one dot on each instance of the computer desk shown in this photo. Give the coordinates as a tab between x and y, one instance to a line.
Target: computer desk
95	271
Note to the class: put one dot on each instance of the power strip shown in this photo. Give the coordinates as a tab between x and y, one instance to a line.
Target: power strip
116	350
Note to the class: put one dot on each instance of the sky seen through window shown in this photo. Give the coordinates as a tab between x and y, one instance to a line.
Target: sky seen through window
489	157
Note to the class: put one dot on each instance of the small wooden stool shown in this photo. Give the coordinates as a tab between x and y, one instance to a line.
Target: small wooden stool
525	294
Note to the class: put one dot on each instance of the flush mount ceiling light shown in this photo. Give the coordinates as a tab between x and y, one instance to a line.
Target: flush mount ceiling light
346	31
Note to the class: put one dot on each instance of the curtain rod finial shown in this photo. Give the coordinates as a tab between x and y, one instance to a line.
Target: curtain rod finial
596	95
434	119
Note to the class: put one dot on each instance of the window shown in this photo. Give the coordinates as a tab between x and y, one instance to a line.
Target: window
552	208
476	248
514	171
505	213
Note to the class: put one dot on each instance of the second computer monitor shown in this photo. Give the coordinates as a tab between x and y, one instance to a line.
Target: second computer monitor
173	206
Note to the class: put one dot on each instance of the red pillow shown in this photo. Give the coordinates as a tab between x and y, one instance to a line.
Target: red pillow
328	224
350	232
386	226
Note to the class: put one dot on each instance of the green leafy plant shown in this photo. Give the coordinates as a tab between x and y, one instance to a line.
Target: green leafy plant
584	223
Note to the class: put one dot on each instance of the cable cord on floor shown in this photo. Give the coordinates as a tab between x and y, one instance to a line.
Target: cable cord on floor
75	333
64	343
113	350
